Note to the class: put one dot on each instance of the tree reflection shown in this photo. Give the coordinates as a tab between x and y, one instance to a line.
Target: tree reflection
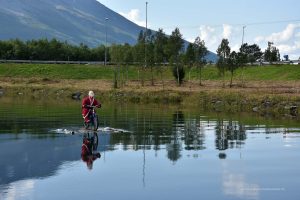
174	147
229	134
194	134
151	128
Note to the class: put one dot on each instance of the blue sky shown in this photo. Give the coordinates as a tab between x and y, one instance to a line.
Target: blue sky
265	20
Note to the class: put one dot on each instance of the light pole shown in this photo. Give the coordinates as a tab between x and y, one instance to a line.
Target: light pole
242	51
243	34
146	30
105	61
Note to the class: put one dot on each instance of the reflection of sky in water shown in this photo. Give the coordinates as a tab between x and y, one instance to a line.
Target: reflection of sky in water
235	183
19	190
170	155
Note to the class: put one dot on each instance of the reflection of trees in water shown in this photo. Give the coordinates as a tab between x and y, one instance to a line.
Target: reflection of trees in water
156	128
194	134
187	132
151	129
174	149
229	134
174	146
146	127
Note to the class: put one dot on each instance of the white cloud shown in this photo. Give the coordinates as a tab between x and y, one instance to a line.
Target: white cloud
227	30
206	32
191	40
134	16
214	35
210	36
285	48
236	47
259	39
287	40
286	35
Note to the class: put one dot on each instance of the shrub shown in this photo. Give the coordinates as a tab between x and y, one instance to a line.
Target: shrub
178	73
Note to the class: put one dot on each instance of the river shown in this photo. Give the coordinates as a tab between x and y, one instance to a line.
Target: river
151	151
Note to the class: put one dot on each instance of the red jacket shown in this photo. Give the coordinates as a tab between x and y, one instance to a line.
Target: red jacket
85	148
86	102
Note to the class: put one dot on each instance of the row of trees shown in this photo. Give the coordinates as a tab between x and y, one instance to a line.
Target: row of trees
247	54
44	49
157	49
152	51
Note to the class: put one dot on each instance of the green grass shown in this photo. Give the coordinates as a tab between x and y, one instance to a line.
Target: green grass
276	72
255	73
56	71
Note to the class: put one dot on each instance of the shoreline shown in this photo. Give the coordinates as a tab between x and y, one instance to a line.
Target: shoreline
267	98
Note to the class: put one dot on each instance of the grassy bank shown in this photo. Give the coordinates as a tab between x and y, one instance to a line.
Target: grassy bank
55	71
220	101
269	90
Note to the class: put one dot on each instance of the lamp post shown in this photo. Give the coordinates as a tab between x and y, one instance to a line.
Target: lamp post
105	61
243	34
242	50
146	30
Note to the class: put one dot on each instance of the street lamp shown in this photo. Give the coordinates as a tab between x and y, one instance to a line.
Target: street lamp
243	34
105	62
242	51
146	30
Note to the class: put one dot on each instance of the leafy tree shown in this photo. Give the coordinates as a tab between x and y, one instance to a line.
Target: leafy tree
252	52
160	41
139	55
5	50
128	57
43	49
174	44
174	49
117	56
200	53
178	73
223	52
271	53
151	59
190	58
149	48
98	53
243	57
234	62
20	50
40	49
141	37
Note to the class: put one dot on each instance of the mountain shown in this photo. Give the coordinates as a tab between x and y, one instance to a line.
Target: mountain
75	21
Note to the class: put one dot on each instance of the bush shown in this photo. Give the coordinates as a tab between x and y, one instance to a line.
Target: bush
178	73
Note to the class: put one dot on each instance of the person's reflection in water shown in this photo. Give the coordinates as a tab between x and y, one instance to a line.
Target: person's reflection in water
87	154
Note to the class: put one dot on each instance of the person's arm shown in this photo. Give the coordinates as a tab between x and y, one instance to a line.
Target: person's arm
97	104
85	104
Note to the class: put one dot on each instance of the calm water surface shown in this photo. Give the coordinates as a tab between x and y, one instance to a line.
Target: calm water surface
169	153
